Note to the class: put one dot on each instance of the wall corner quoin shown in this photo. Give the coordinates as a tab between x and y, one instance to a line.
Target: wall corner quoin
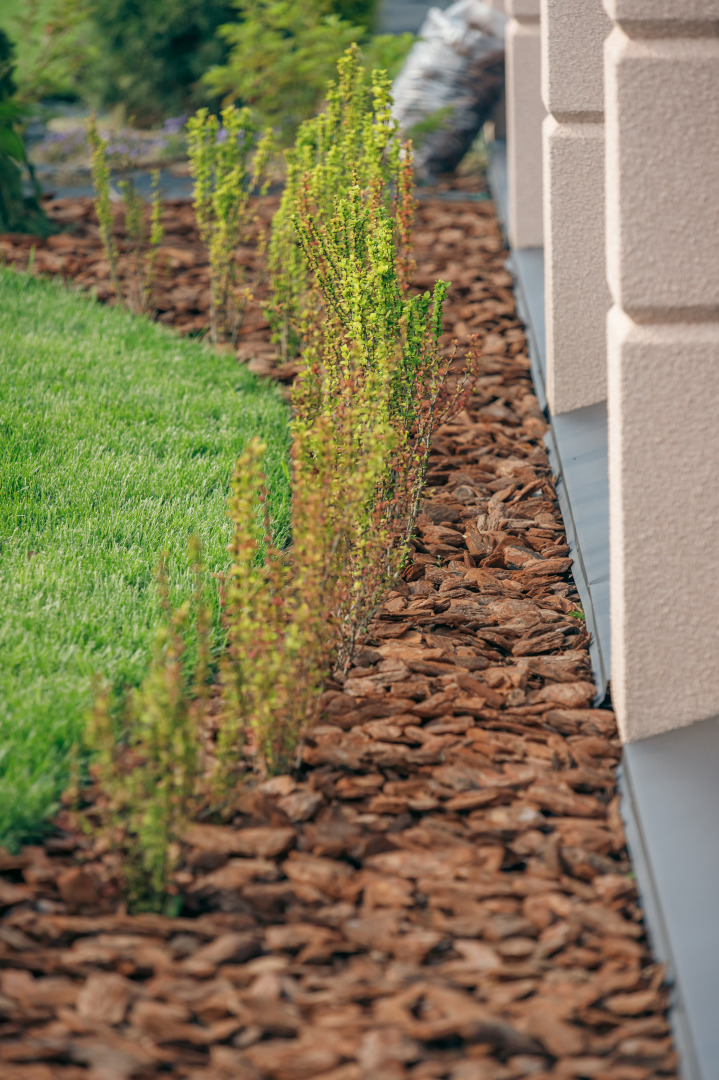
659	18
523	10
576	295
525	112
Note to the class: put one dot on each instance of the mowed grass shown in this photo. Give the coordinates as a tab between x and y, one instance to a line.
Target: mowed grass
117	441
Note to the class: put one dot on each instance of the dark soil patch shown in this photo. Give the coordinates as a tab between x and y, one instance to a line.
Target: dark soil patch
443	892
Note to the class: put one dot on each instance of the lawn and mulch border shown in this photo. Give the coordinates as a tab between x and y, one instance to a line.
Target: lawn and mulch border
181	294
117	442
443	890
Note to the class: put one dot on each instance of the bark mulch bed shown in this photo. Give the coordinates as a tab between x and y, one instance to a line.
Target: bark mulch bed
443	891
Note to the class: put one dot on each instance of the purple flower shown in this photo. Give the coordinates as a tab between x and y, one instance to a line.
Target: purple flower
174	125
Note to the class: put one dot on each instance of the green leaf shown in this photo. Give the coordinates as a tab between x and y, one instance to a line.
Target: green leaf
11	144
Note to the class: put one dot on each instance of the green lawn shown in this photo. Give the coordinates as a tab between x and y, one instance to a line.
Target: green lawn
117	440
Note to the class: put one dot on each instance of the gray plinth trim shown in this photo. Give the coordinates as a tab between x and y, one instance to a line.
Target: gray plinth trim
527	267
577	447
497	177
670	802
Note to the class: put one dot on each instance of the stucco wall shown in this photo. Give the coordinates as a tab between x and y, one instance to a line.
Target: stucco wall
525	113
662	159
577	297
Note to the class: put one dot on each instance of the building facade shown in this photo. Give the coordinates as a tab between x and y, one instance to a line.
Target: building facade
609	185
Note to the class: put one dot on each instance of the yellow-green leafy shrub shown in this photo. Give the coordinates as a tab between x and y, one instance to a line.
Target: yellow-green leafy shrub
144	236
149	766
373	387
354	141
227	164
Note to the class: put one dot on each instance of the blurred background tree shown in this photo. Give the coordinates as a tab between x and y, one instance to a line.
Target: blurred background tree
51	38
282	53
154	59
150	55
147	56
18	212
360	12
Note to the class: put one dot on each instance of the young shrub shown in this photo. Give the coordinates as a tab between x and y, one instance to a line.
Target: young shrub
380	344
274	656
102	180
362	331
151	785
283	619
354	141
374	386
135	231
283	611
157	231
220	149
143	247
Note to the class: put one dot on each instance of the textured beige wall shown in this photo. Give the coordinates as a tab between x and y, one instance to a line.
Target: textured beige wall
572	62
525	113
662	162
663	151
664	16
523	9
664	512
576	294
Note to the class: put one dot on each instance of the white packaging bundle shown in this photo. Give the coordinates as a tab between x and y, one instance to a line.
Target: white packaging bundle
450	81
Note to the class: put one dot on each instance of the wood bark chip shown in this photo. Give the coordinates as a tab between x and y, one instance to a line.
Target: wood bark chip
443	891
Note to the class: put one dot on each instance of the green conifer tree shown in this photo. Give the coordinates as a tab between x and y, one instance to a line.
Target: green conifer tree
18	213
